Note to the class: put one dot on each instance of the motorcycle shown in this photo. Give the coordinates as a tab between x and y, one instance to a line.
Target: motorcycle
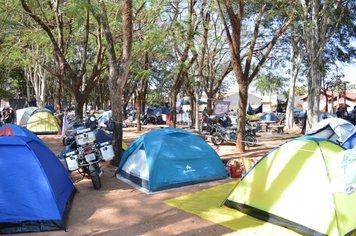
153	119
69	134
85	153
73	124
209	123
87	156
229	135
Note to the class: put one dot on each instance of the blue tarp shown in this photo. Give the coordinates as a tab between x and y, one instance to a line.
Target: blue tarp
51	108
174	157
157	111
101	136
35	187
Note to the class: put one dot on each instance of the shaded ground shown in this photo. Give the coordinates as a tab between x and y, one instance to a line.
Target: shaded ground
119	209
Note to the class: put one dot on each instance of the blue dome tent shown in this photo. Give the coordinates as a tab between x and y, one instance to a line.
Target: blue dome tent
10	129
268	117
168	158
36	189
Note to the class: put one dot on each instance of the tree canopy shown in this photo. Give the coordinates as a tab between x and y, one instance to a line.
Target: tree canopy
67	52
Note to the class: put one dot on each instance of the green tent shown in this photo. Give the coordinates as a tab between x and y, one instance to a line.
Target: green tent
306	184
38	120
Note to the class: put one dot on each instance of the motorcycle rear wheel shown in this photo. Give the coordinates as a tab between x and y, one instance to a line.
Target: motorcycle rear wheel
250	140
96	181
217	139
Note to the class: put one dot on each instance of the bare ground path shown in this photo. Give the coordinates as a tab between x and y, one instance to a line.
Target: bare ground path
119	209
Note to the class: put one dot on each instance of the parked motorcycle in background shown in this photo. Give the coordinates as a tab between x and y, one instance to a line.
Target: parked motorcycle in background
229	135
153	119
72	124
208	124
84	154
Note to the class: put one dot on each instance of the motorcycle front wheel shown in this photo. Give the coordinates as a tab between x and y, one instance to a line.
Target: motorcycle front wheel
96	181
217	139
250	140
66	141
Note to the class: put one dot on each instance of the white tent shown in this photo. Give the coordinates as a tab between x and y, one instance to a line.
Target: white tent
22	115
233	98
334	129
105	116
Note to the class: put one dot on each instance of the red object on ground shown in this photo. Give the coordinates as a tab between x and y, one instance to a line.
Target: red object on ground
168	116
235	172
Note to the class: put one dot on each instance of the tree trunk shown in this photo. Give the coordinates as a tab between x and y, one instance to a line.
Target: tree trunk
57	95
295	65
233	13
313	95
209	106
314	33
79	106
27	80
56	33
241	116
173	115
138	114
183	65
143	84
118	70
116	107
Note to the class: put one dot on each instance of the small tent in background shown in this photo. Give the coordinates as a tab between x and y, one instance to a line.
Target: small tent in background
350	141
301	185
169	158
268	117
104	117
36	190
37	120
22	115
42	121
334	129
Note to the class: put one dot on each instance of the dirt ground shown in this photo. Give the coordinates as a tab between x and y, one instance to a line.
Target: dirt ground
119	209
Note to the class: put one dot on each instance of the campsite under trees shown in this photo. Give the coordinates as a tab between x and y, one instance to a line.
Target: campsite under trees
151	52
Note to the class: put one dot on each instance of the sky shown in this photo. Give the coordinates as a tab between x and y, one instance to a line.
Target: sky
350	69
350	73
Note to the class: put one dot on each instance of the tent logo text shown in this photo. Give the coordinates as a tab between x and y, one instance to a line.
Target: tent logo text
188	169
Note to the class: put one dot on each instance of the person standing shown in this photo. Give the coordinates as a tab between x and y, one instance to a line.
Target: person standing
6	115
1	117
226	120
339	112
353	116
12	115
